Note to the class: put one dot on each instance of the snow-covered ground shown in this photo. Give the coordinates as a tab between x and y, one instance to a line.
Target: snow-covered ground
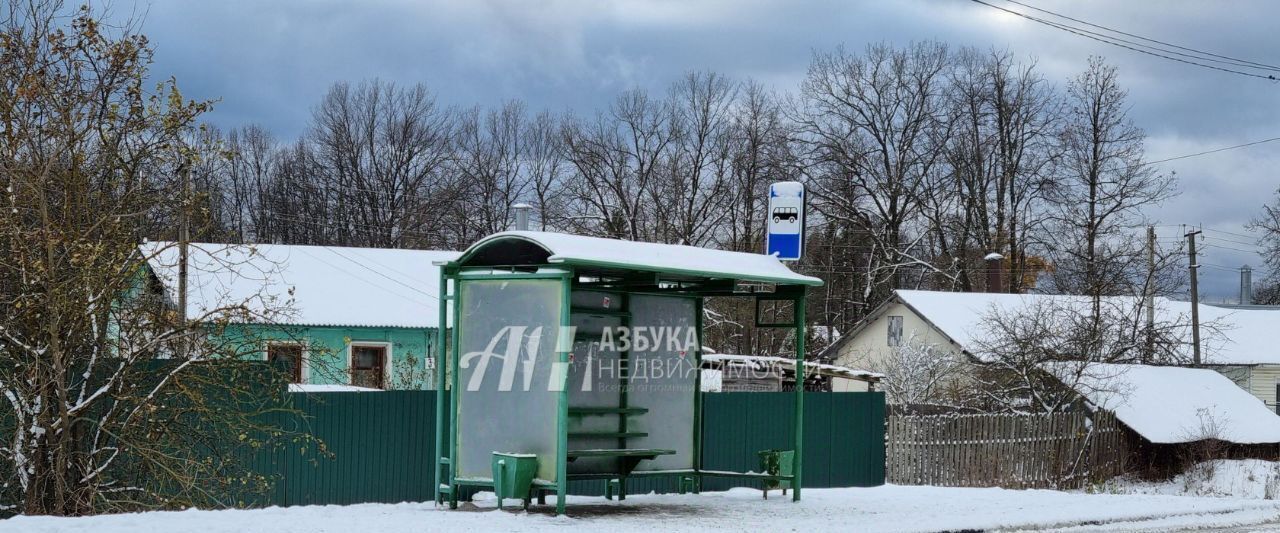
1240	478
888	508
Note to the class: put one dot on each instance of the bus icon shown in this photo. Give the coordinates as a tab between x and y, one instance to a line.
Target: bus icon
789	214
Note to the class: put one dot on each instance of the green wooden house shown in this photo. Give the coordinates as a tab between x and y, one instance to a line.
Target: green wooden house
333	318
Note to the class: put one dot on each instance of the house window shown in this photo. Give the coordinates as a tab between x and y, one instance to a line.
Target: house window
367	365
895	331
288	359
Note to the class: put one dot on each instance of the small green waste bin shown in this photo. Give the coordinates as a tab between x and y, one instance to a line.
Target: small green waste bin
776	463
513	475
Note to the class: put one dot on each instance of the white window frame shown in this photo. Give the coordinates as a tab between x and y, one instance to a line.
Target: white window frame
306	355
386	364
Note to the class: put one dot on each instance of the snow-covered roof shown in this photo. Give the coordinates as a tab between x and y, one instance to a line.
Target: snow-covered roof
671	258
760	362
1168	404
1231	336
305	285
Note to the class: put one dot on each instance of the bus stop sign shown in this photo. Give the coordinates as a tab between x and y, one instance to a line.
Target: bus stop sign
785	238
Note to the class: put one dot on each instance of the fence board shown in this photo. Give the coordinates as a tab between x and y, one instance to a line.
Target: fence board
1060	450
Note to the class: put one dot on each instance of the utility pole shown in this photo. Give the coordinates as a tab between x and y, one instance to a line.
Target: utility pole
1149	296
1194	266
184	241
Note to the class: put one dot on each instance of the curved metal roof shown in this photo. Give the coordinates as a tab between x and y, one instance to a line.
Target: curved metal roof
620	255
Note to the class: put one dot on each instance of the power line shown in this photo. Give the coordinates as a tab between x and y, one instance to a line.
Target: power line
1210	55
1222	239
393	280
1116	41
1220	267
1214	151
1221	247
1230	233
367	281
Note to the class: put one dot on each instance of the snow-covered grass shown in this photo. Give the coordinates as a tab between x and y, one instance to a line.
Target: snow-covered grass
879	509
1223	478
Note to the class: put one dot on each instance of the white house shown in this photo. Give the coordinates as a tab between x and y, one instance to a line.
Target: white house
1243	344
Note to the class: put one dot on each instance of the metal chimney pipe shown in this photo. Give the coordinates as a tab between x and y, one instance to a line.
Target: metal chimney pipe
1246	285
522	216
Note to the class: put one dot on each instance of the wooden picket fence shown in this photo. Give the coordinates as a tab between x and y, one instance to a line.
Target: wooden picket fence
1060	451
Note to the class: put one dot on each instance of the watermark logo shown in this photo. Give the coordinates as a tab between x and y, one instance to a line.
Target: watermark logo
644	339
658	357
515	338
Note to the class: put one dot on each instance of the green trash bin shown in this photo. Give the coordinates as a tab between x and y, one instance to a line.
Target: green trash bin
513	475
776	463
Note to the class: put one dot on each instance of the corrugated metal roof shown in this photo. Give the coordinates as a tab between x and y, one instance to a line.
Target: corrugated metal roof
304	285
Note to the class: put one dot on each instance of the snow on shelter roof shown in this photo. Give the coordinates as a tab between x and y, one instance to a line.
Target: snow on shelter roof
1230	336
653	257
305	285
1168	405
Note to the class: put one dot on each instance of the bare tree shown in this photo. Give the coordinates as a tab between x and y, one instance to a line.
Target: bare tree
761	153
872	133
252	158
999	154
491	166
691	197
383	151
1103	185
1017	344
547	169
617	158
1268	222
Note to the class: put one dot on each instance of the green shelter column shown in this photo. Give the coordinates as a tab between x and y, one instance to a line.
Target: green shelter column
564	345
799	421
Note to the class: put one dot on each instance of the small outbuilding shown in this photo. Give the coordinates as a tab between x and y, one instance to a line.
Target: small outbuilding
1169	409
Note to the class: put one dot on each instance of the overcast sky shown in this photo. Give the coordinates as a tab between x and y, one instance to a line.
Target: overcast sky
269	61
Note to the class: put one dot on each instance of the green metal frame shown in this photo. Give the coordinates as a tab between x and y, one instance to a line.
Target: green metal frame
564	346
441	372
788	324
454	392
447	483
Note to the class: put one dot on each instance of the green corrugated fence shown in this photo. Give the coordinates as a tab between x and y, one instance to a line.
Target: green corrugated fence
380	445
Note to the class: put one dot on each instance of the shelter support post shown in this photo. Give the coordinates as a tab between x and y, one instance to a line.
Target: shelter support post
564	344
696	479
441	326
796	470
453	403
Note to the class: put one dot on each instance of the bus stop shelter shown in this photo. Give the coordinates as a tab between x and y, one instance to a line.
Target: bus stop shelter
572	357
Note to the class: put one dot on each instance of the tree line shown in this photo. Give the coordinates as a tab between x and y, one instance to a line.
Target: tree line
920	160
